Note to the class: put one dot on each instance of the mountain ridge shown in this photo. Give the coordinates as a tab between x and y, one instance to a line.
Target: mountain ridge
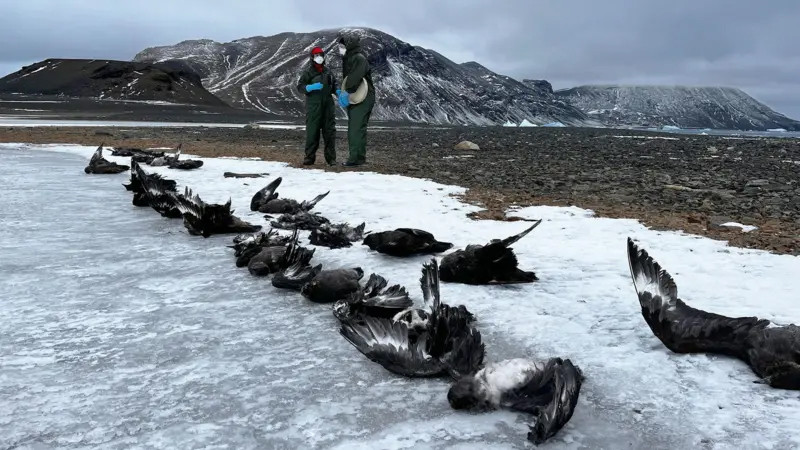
715	107
412	83
110	79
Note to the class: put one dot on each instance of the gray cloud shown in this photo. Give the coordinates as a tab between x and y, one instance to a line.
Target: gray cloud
711	42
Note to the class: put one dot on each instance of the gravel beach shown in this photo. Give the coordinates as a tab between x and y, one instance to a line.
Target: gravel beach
693	183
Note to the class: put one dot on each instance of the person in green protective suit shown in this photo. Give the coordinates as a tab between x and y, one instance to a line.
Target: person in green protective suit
318	84
355	67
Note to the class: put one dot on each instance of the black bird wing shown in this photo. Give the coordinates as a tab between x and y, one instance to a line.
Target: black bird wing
416	232
551	395
429	282
467	353
511	240
680	327
295	276
190	204
97	155
387	343
266	194
309	205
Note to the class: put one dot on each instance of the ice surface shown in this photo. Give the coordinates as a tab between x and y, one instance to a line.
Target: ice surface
120	330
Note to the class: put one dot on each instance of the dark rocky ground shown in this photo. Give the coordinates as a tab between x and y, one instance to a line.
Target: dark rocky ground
691	183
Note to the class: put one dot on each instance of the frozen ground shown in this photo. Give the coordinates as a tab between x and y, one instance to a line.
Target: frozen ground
120	330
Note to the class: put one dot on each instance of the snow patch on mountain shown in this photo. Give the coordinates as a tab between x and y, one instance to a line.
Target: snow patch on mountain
675	106
412	83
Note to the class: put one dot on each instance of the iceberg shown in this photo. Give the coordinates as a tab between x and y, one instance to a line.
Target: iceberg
526	123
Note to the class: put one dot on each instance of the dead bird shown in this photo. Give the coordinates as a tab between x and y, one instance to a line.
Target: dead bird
157	192
248	245
405	242
374	299
548	390
331	285
297	271
340	235
183	164
276	258
493	263
448	344
266	201
302	220
772	352
138	155
205	219
100	165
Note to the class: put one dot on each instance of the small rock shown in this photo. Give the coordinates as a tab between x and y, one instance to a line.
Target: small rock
243	175
412	168
712	149
466	145
102	133
756	183
637	410
435	145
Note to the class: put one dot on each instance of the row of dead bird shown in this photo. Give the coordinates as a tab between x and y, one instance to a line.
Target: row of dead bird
99	165
441	340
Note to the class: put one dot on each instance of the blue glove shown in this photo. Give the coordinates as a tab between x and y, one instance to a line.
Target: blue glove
344	99
313	87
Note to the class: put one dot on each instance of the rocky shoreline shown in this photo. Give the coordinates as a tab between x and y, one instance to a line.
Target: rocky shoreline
668	181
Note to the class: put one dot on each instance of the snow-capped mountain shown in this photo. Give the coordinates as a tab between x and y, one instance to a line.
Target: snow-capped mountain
412	83
104	79
680	106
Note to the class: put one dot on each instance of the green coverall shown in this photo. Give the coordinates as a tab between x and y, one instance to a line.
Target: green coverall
355	67
320	113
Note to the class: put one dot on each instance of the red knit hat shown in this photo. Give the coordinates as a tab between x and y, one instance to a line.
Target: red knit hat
316	50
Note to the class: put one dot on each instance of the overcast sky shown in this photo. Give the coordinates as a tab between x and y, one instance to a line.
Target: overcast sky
699	42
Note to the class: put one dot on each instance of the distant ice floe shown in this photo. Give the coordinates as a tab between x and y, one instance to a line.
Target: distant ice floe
670	127
777	130
666	138
554	124
526	123
509	124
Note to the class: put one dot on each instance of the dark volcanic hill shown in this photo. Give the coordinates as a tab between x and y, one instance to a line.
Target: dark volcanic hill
104	79
684	107
412	83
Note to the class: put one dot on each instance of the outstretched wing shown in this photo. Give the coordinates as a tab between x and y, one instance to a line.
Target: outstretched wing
309	205
97	155
386	342
190	203
550	395
511	240
266	194
680	327
429	282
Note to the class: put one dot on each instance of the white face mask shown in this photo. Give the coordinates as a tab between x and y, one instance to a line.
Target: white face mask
342	50
319	59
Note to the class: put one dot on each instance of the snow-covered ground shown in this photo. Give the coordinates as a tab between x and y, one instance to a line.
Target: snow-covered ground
120	330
